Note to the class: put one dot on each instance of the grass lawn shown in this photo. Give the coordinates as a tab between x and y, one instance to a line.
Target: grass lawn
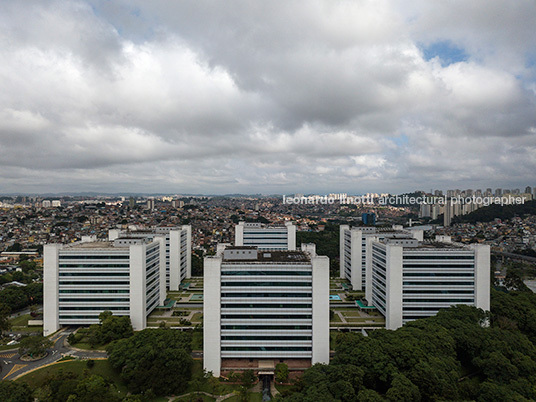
255	396
351	314
21	321
336	318
5	347
36	378
87	346
197	317
20	324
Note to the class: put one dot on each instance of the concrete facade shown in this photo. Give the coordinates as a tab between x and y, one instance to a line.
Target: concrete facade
266	237
261	304
407	279
81	280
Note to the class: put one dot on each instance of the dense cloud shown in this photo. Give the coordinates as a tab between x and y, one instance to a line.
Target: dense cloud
294	96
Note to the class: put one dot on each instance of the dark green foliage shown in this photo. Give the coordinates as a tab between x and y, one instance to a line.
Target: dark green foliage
4	317
67	386
34	292
34	345
247	378
95	388
153	359
403	390
197	263
455	355
515	310
18	298
113	327
489	213
281	372
15	392
14	297
327	243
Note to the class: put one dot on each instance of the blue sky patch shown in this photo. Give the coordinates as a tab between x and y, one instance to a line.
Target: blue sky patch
447	52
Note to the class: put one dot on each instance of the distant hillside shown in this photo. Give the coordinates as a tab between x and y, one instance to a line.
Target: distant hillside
487	214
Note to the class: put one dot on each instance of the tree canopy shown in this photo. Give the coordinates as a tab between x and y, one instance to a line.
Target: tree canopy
462	353
153	359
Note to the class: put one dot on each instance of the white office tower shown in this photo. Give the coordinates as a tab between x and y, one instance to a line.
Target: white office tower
178	242
266	237
81	280
352	248
408	279
266	306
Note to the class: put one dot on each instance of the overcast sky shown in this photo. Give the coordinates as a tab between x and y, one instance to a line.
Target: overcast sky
267	96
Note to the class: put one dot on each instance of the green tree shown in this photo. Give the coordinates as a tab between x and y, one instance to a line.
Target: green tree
95	388
27	265
14	297
281	372
11	391
156	359
4	317
403	389
34	345
114	327
34	293
247	378
369	395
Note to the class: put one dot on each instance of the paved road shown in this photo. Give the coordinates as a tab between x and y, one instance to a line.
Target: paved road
516	256
25	311
12	366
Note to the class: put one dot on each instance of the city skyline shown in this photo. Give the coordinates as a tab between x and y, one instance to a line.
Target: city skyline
266	98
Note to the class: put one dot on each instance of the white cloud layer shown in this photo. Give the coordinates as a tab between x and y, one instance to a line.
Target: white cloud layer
294	96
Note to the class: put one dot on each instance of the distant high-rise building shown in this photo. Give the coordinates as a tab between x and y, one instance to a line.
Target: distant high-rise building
528	190
407	279
434	211
131	202
46	203
177	204
56	203
489	192
447	213
81	280
425	210
266	237
368	218
150	204
262	306
498	192
438	193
